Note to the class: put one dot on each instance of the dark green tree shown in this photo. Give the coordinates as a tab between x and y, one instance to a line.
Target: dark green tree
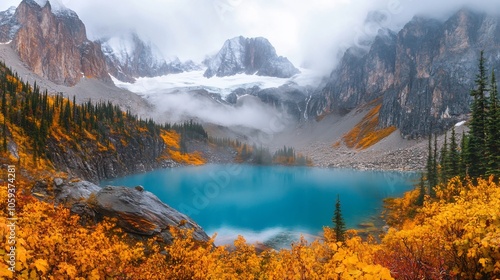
430	164
477	134
453	156
464	156
443	161
338	221
421	191
493	130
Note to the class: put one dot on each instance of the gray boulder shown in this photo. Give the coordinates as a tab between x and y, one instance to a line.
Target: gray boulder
141	212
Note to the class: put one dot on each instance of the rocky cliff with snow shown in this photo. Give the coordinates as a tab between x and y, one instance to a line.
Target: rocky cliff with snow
421	75
249	56
51	40
128	57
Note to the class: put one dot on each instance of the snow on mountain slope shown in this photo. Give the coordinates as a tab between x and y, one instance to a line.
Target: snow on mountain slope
220	85
57	7
120	47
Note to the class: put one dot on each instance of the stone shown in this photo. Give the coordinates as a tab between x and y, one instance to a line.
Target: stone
143	213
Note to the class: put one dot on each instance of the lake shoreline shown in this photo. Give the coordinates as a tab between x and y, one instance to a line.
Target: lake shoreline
274	202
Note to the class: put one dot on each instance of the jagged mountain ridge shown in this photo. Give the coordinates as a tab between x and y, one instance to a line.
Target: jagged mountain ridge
422	75
53	43
249	56
128	57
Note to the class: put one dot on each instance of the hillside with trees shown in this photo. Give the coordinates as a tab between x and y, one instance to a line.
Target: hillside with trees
94	140
447	228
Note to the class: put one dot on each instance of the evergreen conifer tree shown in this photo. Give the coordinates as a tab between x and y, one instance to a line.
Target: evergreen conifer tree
430	161
464	156
421	193
338	221
493	130
443	161
453	158
477	136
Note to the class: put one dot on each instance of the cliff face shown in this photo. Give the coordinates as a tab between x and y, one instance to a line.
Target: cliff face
360	78
54	45
422	75
139	153
249	56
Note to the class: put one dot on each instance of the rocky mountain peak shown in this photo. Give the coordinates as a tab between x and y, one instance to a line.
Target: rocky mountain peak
51	40
129	57
422	74
249	56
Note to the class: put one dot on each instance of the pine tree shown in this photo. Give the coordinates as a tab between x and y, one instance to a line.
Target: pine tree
477	136
464	156
434	182
430	160
493	130
453	158
338	221
443	161
421	191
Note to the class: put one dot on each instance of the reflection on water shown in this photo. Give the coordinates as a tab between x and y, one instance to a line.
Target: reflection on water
275	203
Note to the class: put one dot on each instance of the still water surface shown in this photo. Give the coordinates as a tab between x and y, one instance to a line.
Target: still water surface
270	204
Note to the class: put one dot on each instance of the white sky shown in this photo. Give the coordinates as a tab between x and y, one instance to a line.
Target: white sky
308	32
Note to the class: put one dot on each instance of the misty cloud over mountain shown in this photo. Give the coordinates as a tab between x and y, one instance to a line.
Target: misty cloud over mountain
309	33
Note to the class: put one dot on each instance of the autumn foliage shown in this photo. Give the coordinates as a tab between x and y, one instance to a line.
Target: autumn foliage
172	140
457	235
366	133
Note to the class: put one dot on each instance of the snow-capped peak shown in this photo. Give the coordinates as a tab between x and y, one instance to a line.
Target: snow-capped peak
121	47
57	7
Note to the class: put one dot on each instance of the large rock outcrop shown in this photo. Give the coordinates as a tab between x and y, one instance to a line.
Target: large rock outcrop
136	210
52	42
422	75
141	212
249	56
140	153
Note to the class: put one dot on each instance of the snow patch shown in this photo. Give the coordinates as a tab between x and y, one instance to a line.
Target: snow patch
6	43
57	7
221	85
121	47
459	123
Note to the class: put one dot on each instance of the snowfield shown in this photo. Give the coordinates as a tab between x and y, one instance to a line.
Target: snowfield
221	85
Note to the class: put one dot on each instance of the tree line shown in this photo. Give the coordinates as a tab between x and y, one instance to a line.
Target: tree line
478	152
41	116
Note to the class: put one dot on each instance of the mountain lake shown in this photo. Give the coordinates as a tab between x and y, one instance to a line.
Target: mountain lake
273	205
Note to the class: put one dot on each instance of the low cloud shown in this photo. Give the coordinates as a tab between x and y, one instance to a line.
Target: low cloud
310	33
248	113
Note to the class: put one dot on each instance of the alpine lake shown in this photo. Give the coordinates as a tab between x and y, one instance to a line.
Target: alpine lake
273	205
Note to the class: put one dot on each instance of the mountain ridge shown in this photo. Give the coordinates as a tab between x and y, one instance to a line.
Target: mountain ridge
423	75
54	45
249	56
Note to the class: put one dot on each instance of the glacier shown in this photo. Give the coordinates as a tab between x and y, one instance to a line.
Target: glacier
220	85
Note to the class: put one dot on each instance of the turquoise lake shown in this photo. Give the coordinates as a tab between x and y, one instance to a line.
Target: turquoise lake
270	204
